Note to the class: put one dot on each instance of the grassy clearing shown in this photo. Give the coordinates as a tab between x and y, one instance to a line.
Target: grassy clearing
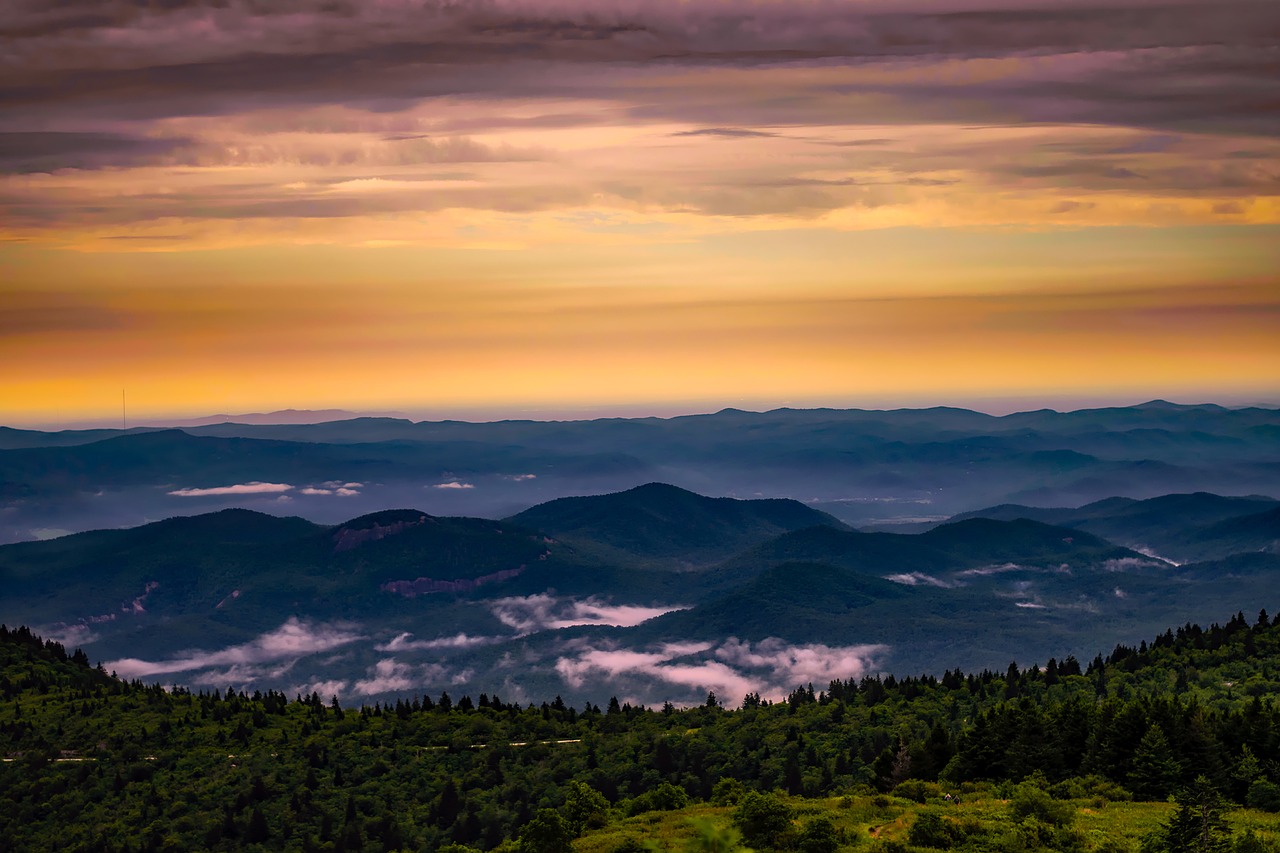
870	822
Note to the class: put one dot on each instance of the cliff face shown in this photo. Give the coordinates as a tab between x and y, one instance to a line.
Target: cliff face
346	538
424	586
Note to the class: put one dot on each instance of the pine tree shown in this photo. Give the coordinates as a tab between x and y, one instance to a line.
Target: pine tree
1154	771
1198	825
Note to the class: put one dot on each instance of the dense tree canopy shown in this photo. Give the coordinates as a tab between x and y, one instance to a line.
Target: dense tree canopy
102	764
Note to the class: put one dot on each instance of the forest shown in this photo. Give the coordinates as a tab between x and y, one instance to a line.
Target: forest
1167	746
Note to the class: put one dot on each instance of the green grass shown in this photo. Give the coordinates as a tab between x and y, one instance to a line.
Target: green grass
867	820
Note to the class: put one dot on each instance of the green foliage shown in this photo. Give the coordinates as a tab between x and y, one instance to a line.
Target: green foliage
584	808
211	771
1251	842
1032	801
1155	771
664	798
763	819
631	844
1197	825
1264	795
712	837
727	792
548	832
818	835
930	830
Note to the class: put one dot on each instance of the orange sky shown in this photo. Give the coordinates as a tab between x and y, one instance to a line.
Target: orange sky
729	214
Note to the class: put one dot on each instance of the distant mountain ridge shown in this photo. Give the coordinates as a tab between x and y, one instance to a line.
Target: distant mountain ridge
1183	527
862	466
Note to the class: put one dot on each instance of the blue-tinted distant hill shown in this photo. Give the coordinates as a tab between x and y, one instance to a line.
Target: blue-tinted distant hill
863	467
1183	527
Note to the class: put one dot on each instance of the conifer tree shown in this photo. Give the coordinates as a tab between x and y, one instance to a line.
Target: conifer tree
1154	771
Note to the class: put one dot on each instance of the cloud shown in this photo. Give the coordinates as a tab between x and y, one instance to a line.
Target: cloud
387	676
254	488
728	132
46	151
732	669
453	485
543	612
70	635
324	689
918	578
404	643
1128	564
292	640
520	478
342	491
1029	605
984	571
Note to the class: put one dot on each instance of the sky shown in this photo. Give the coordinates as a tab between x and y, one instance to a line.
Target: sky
516	206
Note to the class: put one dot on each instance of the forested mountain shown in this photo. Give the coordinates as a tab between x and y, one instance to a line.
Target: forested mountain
590	596
660	522
94	763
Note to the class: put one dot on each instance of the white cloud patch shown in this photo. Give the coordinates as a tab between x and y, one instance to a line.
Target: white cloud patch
69	635
240	676
984	571
918	579
542	612
337	488
453	484
254	488
1029	605
1128	564
292	640
731	670
387	676
1120	593
405	643
1148	552
324	689
520	478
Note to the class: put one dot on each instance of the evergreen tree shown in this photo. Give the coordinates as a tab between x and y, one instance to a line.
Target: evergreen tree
1197	826
1154	770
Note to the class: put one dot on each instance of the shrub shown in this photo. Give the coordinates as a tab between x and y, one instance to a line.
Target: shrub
1031	801
1264	795
763	819
930	830
664	798
630	844
726	792
818	836
915	790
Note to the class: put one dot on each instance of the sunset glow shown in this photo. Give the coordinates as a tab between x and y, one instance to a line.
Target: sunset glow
512	206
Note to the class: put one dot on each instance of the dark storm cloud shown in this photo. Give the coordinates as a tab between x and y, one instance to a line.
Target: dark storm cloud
45	151
1186	65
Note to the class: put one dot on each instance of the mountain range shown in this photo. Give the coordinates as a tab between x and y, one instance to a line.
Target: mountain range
654	593
863	467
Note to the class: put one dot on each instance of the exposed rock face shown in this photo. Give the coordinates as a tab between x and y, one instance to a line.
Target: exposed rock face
423	586
347	538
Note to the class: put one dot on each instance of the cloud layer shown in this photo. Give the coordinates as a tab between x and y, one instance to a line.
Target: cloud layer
442	203
731	669
542	612
293	640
